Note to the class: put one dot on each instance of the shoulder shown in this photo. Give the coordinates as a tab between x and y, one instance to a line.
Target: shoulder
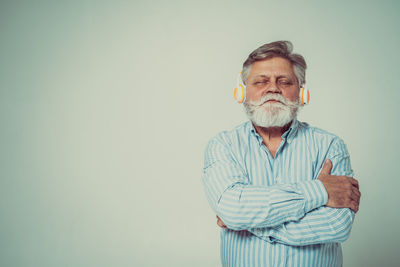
233	136
315	132
320	137
228	144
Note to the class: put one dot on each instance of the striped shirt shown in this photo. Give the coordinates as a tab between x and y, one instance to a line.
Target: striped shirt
273	207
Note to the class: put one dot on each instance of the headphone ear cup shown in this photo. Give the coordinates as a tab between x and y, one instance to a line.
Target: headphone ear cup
239	94
304	96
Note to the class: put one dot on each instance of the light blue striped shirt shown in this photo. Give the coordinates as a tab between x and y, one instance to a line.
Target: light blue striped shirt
274	206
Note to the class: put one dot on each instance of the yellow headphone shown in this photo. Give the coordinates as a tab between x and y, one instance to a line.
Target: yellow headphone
239	92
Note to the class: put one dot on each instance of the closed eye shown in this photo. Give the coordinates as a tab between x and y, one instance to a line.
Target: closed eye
260	82
285	82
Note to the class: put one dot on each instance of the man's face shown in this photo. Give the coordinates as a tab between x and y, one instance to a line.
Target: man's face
272	93
274	75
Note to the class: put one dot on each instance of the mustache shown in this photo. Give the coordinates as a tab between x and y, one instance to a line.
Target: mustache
272	96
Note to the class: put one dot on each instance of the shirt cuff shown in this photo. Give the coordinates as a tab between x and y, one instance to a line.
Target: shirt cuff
315	194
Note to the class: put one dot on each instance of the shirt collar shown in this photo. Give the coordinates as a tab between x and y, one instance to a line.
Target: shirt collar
288	135
254	133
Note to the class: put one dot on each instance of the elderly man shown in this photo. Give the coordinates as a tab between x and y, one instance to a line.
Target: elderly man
282	190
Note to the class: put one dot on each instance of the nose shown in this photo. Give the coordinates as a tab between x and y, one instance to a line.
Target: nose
273	88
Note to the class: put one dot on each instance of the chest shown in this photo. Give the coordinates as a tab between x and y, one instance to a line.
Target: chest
290	163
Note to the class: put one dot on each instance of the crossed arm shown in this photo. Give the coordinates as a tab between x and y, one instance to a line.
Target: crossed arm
303	213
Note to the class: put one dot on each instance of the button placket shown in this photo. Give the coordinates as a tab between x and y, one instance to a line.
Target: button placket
277	177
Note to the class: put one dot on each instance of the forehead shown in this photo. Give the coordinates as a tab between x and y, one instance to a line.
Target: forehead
275	66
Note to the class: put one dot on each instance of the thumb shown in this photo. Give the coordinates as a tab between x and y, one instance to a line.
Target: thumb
326	169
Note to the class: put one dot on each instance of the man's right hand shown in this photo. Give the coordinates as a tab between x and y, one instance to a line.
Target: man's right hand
220	223
343	191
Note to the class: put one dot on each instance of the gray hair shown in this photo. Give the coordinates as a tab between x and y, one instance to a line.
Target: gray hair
281	49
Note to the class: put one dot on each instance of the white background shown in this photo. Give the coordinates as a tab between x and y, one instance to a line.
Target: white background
106	108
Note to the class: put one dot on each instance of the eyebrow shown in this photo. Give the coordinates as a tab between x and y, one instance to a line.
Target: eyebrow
261	75
265	76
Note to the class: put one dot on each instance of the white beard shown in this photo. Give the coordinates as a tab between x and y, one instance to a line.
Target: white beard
271	114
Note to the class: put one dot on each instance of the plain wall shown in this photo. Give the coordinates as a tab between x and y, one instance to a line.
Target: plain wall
106	108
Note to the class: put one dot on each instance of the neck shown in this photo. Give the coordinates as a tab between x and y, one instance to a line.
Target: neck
269	134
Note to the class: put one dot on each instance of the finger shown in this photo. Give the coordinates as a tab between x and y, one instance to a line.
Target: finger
221	224
355	195
326	169
354	190
354	182
357	192
354	207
